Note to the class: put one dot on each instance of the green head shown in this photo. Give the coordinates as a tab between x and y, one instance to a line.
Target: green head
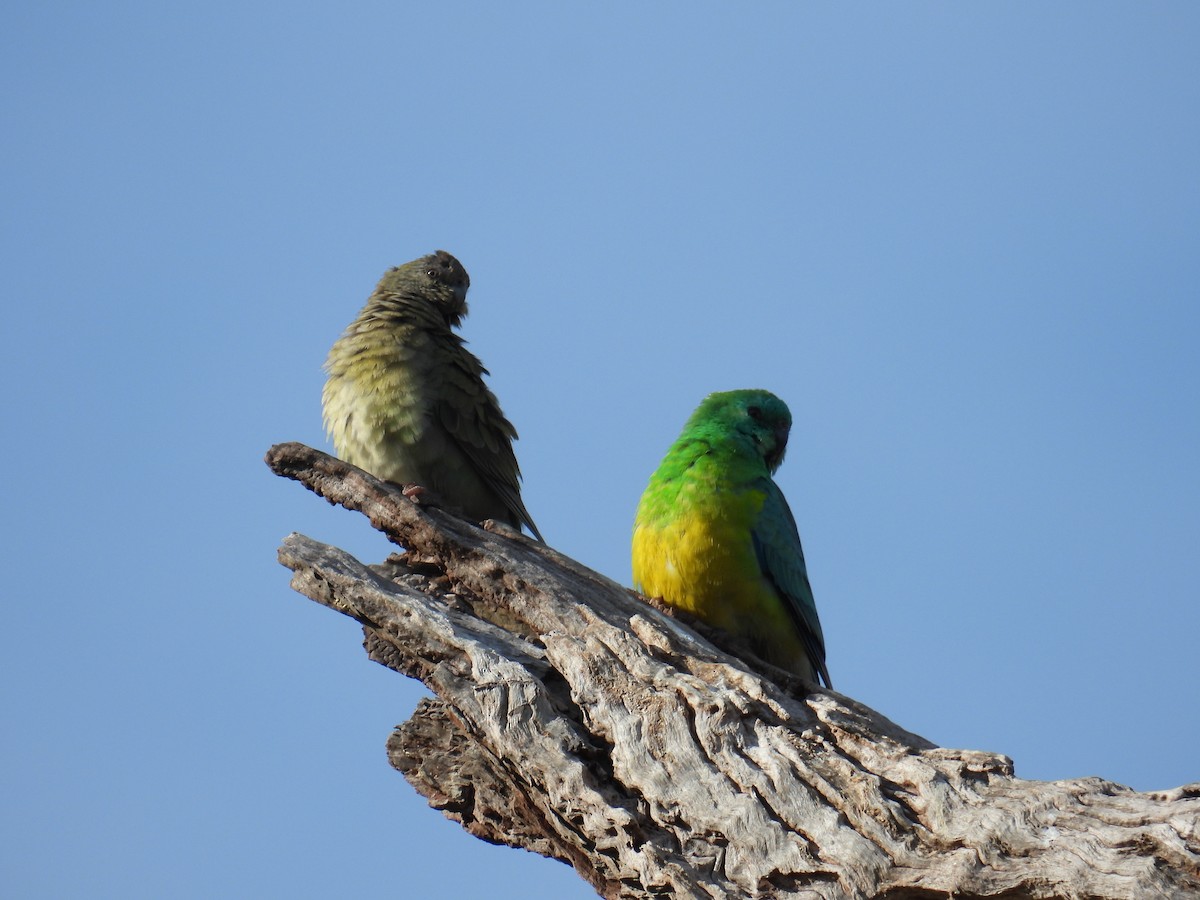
438	278
755	420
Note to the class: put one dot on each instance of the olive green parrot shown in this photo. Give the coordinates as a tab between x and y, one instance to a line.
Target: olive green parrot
714	535
405	400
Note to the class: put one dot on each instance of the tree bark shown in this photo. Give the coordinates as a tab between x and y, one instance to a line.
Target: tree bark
572	718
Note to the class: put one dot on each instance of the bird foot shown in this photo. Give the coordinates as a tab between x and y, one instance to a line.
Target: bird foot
422	496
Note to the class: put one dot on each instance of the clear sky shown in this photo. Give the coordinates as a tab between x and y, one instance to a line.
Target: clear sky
960	240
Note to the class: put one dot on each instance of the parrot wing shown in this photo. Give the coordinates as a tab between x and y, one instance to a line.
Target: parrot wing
781	558
472	417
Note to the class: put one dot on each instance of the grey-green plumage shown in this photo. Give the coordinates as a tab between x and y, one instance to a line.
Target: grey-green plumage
406	401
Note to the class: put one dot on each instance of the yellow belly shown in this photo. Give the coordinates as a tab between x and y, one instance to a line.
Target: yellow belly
703	561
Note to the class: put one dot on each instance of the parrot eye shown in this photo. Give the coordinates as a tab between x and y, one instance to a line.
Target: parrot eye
755	413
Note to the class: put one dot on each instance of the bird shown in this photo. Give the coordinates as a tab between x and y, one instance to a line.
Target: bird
714	535
405	399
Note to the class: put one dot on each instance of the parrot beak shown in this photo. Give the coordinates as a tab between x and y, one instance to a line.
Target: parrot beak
775	457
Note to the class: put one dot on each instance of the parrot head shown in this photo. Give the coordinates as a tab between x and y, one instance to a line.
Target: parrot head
756	420
438	278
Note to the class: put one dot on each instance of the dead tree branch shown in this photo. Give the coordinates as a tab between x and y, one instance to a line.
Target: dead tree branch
573	719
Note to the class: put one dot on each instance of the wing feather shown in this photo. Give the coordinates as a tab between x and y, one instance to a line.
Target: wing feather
777	545
471	415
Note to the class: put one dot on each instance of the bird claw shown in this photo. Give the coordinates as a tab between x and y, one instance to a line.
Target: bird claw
419	495
496	526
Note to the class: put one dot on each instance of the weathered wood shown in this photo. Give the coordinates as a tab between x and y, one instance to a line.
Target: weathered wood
575	720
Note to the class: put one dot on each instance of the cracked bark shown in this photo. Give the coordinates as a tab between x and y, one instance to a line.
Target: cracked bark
575	720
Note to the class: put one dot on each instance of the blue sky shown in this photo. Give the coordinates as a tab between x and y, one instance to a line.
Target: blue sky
960	240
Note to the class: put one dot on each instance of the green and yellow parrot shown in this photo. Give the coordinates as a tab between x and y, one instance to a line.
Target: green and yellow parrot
406	401
714	535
